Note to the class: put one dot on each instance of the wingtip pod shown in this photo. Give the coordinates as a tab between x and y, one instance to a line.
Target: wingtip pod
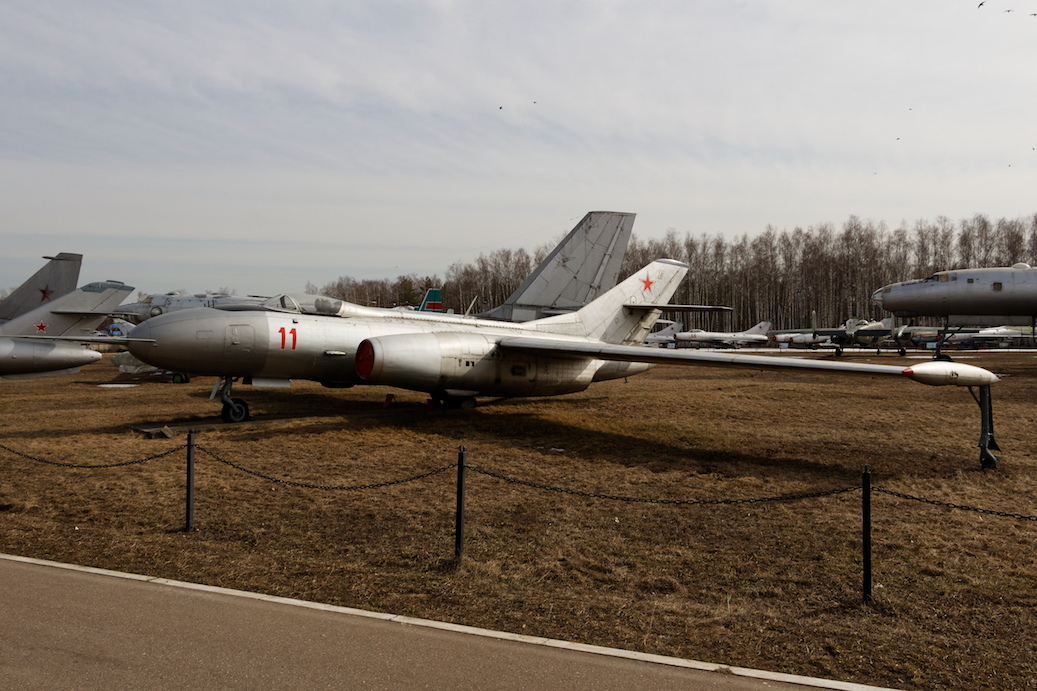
943	373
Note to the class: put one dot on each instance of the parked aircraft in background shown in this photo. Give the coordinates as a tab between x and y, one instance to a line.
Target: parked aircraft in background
857	332
967	297
455	359
923	336
46	341
799	339
161	303
583	266
663	337
756	335
58	277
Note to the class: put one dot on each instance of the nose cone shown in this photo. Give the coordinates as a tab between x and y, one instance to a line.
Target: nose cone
876	297
137	349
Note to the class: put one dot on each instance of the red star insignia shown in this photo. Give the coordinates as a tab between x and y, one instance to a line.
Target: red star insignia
47	292
41	327
647	280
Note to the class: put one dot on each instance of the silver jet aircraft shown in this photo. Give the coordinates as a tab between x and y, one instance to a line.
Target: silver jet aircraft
757	335
1004	296
454	359
58	277
45	342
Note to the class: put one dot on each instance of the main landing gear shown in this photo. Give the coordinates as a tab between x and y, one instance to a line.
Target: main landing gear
234	409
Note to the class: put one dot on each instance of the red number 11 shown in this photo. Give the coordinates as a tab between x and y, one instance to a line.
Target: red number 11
282	332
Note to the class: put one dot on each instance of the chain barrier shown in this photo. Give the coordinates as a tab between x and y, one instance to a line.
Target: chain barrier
960	507
642	500
103	465
534	485
292	483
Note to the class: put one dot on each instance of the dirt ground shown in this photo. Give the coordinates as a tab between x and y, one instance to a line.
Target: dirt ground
774	585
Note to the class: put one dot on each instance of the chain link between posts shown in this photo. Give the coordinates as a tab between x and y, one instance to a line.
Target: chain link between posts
103	465
292	483
643	500
959	507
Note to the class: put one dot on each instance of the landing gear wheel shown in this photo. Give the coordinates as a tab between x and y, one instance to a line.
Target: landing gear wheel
179	378
902	352
838	352
235	411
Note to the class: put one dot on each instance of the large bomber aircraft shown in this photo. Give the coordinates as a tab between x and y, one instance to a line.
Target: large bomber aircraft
58	277
455	359
46	341
1004	296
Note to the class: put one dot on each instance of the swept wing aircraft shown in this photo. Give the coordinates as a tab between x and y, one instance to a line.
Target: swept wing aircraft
455	359
57	277
757	335
45	342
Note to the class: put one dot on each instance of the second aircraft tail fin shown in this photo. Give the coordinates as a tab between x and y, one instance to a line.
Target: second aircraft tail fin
626	313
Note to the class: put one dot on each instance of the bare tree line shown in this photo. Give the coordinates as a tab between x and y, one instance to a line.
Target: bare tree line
778	276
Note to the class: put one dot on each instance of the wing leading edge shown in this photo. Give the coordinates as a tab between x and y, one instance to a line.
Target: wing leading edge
933	373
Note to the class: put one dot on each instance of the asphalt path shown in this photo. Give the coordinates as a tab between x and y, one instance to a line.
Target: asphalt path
68	627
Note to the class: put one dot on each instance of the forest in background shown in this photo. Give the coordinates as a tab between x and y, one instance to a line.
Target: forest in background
779	275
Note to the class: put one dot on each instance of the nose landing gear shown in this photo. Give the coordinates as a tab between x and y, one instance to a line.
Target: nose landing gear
234	409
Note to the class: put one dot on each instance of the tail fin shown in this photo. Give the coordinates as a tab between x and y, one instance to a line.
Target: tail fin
74	315
583	265
626	313
761	328
58	277
433	301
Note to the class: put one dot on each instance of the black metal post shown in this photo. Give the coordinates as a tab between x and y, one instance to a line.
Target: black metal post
459	524
190	482
866	511
986	431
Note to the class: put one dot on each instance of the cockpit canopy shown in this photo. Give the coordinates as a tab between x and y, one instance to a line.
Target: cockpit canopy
302	303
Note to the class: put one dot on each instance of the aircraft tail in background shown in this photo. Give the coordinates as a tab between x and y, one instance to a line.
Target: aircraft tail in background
58	277
432	302
584	265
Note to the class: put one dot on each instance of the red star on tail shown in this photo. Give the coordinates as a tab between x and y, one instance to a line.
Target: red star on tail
41	327
647	280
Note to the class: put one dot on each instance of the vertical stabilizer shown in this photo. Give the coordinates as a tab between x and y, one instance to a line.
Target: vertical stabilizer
433	301
58	277
584	265
627	313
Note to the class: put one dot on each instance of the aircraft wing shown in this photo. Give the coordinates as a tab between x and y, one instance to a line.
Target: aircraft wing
113	340
935	372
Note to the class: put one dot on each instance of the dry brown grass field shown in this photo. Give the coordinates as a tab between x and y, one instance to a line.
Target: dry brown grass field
772	585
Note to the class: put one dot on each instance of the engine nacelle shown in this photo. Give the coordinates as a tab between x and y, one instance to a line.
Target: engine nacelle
429	362
467	364
18	356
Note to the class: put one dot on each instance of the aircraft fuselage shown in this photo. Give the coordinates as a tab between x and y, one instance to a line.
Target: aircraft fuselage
454	356
998	293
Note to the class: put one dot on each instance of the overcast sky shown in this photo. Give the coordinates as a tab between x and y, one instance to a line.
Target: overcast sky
261	145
